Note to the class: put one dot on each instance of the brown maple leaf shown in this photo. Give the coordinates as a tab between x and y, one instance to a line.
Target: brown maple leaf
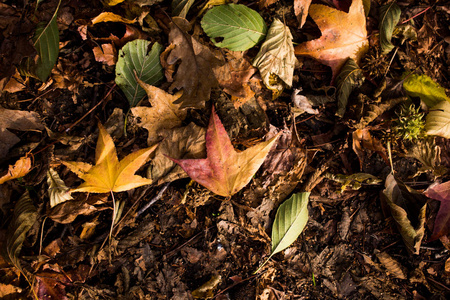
195	72
344	35
108	174
225	171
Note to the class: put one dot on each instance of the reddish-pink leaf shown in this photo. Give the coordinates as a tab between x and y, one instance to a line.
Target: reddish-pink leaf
225	171
441	192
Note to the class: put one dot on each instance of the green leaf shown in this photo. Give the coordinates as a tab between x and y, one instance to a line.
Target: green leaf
289	222
438	120
422	86
25	215
135	60
234	26
349	78
389	17
46	42
276	57
180	8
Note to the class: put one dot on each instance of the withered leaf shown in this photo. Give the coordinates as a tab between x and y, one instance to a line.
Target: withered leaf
108	174
19	169
440	192
301	8
363	139
195	72
225	171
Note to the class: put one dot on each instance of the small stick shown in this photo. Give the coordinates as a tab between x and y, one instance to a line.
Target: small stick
156	198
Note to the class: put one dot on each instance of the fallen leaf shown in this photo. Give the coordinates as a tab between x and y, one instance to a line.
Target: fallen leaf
164	113
106	54
363	139
58	192
440	192
265	3
391	265
422	86
225	171
16	120
108	174
180	8
206	290
344	35
66	212
275	59
301	8
438	120
19	169
349	78
111	17
301	104
389	17
408	209
195	72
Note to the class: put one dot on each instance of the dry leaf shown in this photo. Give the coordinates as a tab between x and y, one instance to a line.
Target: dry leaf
391	265
301	8
106	54
344	35
111	17
108	174
362	139
194	74
163	114
16	120
19	169
225	171
440	192
66	212
58	192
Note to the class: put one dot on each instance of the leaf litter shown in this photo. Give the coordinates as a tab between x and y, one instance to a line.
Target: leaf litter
177	234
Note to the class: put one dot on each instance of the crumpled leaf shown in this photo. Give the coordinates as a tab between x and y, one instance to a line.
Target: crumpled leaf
108	174
354	181
422	86
180	8
438	120
344	35
16	120
137	61
301	104
225	171
25	214
19	169
185	142
164	113
194	74
66	212
408	209
363	139
234	26
429	154
389	17
275	59
58	192
106	53
301	8
440	192
111	17
206	290
350	77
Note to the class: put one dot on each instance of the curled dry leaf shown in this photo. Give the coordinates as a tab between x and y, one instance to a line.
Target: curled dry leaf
57	189
408	209
344	35
438	120
66	212
19	169
164	113
108	174
440	192
225	171
106	54
363	139
111	17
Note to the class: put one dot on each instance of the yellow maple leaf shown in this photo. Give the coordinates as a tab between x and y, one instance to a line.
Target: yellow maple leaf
108	174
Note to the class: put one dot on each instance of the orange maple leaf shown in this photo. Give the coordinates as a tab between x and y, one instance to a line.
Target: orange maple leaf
344	35
108	174
225	171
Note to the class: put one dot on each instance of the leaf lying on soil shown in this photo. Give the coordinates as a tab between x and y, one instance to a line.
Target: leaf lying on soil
108	174
225	171
137	61
438	120
422	86
180	8
344	35
301	8
440	192
19	169
363	139
164	113
58	192
238	27
349	78
389	17
275	59
408	209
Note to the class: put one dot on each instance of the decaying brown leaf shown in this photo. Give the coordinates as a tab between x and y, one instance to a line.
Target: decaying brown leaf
108	174
195	72
391	265
106	54
363	139
66	212
301	8
408	209
16	120
164	113
19	169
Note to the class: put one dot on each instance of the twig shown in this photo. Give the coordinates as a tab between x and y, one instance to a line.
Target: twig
151	202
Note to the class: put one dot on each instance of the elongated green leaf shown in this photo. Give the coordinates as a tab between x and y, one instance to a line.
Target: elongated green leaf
234	26
422	86
389	17
349	78
289	222
438	120
276	59
25	215
180	8
46	42
135	60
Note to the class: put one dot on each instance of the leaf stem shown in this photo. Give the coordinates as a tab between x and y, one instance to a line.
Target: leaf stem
263	264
